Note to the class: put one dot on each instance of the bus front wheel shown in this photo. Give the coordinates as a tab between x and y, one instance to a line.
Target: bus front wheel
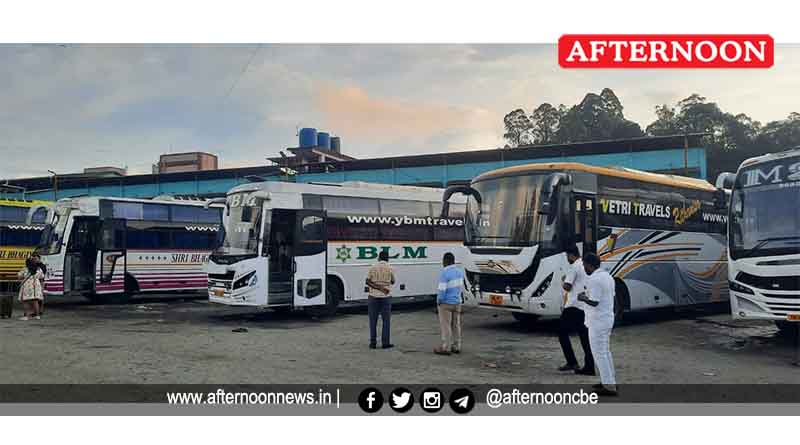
334	292
622	299
121	298
787	328
525	318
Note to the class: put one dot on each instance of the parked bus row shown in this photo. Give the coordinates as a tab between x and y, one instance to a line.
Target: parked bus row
287	245
764	240
19	236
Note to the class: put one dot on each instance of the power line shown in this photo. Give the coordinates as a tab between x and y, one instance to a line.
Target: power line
241	74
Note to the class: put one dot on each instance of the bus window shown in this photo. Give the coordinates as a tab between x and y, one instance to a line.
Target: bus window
311	239
19	237
127	210
405	232
341	229
138	237
40	216
194	240
312	202
192	214
155	212
350	206
13	214
404	208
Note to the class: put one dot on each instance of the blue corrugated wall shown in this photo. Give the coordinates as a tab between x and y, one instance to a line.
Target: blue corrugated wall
672	159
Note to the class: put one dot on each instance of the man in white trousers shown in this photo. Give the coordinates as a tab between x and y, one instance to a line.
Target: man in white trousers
600	320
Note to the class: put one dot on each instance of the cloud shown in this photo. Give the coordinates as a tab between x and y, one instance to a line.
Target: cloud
367	119
66	108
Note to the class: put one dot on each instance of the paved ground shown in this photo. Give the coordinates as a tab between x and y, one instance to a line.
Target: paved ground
187	340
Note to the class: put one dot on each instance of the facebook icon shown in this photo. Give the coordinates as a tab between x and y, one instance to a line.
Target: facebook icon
370	400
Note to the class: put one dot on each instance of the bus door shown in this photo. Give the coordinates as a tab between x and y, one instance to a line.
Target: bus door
310	263
81	255
585	210
113	258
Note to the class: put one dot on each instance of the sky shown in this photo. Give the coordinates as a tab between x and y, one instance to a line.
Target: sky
67	107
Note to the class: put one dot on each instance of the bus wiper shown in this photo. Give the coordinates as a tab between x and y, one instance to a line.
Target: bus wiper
763	242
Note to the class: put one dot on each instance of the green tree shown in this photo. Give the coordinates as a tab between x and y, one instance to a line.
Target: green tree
545	121
518	127
666	122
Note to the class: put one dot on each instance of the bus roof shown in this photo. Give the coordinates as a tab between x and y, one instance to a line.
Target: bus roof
771	157
157	200
352	188
620	172
22	203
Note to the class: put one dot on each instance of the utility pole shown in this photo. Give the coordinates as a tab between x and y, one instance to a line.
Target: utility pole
686	154
55	185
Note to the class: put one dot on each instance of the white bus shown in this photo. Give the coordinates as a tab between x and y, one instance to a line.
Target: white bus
290	245
764	239
107	249
661	237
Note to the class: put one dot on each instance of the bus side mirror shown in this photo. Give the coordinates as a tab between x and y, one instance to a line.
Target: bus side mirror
720	199
452	190
45	237
551	184
545	205
220	239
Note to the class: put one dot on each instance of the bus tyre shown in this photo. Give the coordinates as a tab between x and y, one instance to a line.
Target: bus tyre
621	300
525	318
787	329
333	293
94	298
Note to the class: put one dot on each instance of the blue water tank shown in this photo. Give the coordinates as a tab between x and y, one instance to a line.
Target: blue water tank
336	144
324	140
308	137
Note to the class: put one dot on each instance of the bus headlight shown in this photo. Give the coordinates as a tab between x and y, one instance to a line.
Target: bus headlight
747	305
247	280
736	287
543	287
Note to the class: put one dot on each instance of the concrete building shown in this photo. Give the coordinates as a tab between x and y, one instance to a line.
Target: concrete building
186	162
105	172
681	154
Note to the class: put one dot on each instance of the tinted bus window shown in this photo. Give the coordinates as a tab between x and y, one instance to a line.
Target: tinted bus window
155	212
127	210
193	240
339	228
350	206
39	216
312	202
147	238
196	214
13	214
19	237
404	208
406	232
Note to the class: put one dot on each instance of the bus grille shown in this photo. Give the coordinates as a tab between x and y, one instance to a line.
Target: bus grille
770	283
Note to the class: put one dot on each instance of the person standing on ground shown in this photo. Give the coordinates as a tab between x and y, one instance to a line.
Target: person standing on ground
38	260
30	290
449	303
380	279
600	320
573	317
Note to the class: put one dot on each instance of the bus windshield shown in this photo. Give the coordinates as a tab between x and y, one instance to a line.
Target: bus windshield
508	215
244	226
763	222
53	235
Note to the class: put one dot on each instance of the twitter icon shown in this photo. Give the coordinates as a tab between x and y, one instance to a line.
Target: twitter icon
401	400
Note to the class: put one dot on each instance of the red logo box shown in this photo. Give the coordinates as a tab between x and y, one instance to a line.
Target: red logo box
666	51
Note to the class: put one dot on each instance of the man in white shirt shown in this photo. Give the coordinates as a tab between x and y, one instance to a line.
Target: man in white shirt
599	297
572	317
